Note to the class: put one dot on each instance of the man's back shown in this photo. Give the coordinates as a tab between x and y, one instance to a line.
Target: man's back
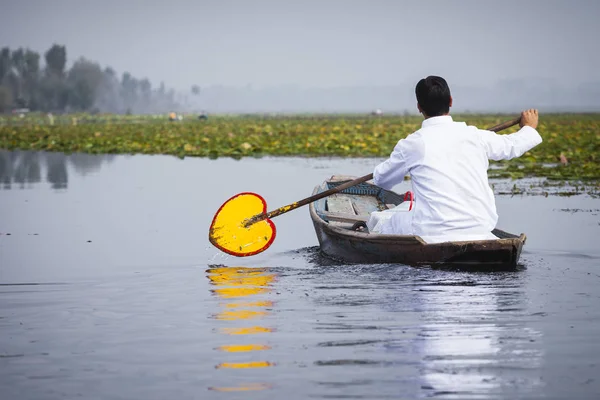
450	181
448	163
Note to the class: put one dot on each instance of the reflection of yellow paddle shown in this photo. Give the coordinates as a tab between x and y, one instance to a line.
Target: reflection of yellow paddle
243	227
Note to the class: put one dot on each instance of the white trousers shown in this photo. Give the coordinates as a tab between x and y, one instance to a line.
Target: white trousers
396	221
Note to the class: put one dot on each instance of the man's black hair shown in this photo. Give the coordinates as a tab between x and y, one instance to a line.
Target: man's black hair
433	95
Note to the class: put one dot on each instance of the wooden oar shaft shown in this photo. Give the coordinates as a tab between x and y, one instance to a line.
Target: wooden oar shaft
318	196
504	125
308	200
343	186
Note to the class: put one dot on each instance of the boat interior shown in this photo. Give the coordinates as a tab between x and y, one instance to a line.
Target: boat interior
354	204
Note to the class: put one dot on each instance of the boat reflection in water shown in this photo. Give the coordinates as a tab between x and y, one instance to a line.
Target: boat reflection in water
476	339
244	293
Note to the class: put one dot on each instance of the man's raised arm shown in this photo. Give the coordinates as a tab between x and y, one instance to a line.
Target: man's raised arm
505	147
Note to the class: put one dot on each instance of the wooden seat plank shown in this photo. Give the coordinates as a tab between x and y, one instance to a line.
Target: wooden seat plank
340	204
365	205
344	217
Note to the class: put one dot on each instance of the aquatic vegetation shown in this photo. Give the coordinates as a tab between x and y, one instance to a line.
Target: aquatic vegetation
570	151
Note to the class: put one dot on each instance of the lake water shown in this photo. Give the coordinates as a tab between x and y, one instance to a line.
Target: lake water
109	289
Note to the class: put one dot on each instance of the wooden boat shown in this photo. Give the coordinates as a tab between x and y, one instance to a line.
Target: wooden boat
335	216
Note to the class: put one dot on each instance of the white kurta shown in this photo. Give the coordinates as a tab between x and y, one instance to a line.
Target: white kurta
447	162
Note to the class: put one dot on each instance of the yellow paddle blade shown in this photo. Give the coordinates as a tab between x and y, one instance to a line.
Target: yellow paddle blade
228	233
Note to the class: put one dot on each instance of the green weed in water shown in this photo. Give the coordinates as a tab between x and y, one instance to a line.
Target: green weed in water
570	150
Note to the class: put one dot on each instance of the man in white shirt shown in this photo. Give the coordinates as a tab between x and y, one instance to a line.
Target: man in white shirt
447	162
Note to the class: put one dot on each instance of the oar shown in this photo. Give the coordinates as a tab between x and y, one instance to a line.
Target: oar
243	227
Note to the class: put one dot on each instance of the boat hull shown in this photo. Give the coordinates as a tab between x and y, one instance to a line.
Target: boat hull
354	247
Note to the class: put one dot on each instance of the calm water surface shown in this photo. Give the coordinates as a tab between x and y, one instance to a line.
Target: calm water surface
109	289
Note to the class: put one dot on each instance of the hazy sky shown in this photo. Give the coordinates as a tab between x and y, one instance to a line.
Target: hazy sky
318	43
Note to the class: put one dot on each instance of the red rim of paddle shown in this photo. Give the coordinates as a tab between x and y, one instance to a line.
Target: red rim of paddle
234	253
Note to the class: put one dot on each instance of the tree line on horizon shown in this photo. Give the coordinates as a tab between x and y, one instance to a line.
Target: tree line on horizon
84	87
